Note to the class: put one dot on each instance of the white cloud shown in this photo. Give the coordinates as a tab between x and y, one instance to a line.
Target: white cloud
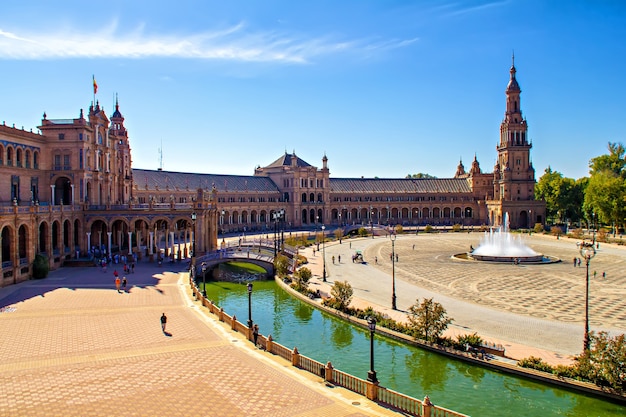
230	44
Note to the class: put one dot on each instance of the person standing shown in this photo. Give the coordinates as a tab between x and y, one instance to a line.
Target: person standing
255	333
124	282
117	283
163	322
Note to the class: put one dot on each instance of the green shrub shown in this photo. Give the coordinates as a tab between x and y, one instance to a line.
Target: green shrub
456	228
428	229
41	267
533	362
468	339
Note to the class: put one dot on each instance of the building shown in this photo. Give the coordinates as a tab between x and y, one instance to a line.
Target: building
70	191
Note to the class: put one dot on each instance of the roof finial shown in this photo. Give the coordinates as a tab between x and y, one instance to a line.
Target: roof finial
513	58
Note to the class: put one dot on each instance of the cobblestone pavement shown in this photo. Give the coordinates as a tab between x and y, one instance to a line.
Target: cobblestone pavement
72	345
530	309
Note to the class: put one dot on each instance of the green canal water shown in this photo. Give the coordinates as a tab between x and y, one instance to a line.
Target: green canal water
449	383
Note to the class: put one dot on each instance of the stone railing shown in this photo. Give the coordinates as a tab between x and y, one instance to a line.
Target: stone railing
371	390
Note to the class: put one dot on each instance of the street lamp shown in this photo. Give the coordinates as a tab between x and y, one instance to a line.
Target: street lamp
194	216
587	251
393	271
204	279
371	374
372	221
324	252
249	305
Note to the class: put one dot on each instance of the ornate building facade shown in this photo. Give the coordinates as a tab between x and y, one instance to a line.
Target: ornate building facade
70	191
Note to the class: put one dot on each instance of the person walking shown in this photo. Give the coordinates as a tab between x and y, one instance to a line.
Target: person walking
117	283
339	258
163	322
124	282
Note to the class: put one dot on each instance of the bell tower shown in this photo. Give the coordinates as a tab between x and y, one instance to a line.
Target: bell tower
514	175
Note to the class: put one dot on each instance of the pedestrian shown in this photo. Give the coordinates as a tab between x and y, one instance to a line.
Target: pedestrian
333	259
117	283
604	274
163	322
132	268
396	257
124	282
575	262
413	247
115	273
255	333
579	261
375	259
339	258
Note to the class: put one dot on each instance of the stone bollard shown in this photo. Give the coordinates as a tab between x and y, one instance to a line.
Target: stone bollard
328	374
295	357
269	344
427	407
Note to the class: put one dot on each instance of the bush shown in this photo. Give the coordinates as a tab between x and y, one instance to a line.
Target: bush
301	279
468	339
538	228
457	228
341	293
428	229
41	267
533	362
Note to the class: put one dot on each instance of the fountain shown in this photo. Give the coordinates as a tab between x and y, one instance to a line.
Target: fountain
502	246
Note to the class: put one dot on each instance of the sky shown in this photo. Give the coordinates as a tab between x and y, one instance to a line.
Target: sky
382	88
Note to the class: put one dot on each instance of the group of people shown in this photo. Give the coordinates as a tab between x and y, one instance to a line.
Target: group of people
120	283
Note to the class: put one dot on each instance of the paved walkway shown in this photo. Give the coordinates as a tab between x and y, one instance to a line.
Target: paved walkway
530	309
71	345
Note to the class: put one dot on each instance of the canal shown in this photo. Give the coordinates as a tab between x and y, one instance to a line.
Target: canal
449	383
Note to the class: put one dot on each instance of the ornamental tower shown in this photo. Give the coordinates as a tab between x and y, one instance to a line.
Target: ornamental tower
514	175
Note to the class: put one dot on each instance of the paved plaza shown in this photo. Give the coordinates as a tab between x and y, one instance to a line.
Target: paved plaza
73	346
530	309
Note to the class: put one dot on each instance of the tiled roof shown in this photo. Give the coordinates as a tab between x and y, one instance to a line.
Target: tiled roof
404	185
286	159
184	180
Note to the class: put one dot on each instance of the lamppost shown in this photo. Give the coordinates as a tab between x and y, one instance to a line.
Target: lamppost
194	216
277	216
222	221
204	279
372	221
393	271
324	252
371	374
249	305
587	251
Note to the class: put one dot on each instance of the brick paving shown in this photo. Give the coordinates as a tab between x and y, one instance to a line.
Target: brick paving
530	309
74	346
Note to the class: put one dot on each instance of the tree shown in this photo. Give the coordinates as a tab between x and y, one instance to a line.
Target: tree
605	195
605	363
281	265
419	175
428	319
338	233
563	196
301	278
342	294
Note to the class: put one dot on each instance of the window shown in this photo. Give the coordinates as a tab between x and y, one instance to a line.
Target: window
57	162
61	136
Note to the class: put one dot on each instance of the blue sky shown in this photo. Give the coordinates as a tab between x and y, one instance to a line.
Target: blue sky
383	88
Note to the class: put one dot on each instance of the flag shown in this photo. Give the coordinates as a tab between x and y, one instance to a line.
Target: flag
95	85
